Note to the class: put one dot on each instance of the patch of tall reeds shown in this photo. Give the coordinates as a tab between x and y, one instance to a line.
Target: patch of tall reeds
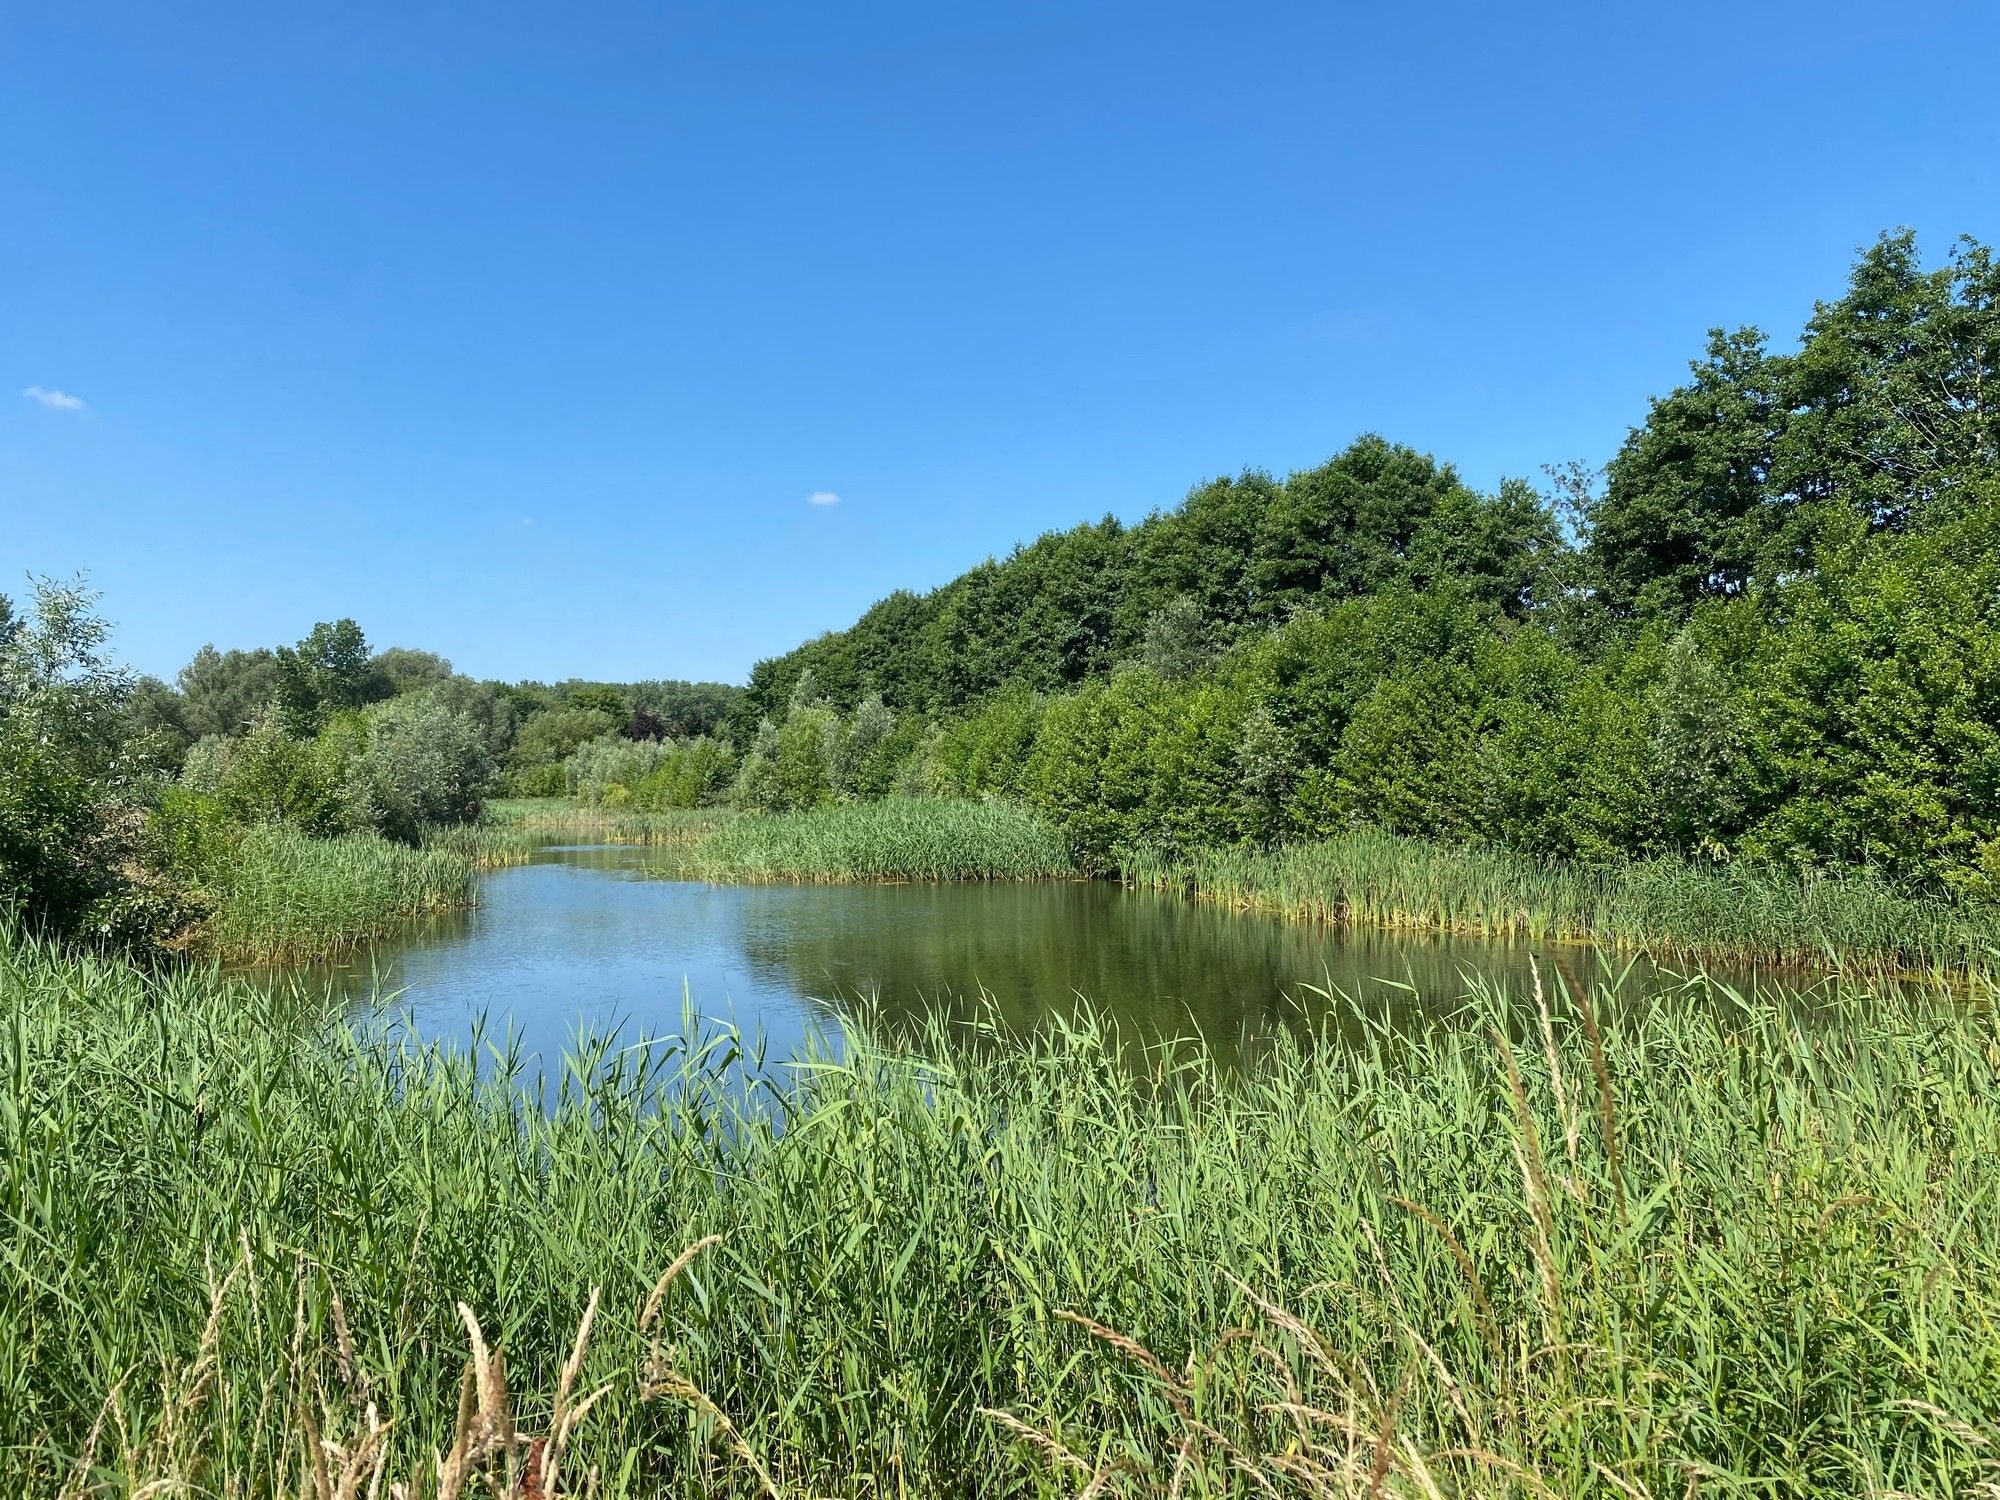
896	838
1682	909
1569	1245
511	822
285	896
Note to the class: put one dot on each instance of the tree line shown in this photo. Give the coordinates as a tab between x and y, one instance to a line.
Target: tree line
1768	629
122	798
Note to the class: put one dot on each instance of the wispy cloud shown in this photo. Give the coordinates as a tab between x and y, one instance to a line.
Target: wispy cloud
54	400
822	497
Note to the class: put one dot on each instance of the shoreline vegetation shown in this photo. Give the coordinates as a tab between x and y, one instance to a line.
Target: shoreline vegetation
1671	909
1735	698
286	897
895	839
1714	1239
1756	719
283	897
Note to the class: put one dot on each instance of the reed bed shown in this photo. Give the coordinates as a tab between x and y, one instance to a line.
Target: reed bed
1673	908
897	838
1561	1245
285	897
486	847
547	820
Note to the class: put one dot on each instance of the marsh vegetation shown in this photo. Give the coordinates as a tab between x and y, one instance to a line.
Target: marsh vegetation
1558	1243
1736	697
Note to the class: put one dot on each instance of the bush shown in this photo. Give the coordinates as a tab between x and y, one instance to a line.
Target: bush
420	764
274	776
66	788
594	769
547	739
695	774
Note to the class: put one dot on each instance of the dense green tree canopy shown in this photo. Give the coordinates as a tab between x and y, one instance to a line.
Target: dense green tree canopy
1245	552
1770	636
1886	417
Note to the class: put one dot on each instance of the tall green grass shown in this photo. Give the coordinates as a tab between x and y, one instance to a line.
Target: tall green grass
1674	908
284	896
897	838
547	820
1715	1246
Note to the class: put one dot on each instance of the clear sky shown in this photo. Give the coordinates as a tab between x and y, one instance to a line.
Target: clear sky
529	333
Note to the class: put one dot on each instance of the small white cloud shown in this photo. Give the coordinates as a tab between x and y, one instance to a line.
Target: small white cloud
54	400
527	520
822	497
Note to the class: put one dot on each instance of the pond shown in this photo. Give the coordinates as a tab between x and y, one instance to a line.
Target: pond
604	937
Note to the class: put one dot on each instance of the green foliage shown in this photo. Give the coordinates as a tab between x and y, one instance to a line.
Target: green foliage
419	763
222	692
802	759
285	896
985	753
817	755
157	725
897	838
66	784
1697	747
548	738
1175	643
600	698
684	710
1234	556
489	706
329	672
1771	639
402	670
191	836
1877	720
1881	420
535	822
275	776
1725	1235
612	767
1346	527
860	750
1685	909
695	773
1772	644
52	829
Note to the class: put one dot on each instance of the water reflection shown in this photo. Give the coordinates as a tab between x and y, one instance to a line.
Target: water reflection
598	938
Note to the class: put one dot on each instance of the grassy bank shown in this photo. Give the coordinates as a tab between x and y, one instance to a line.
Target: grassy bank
1642	1251
283	896
1672	908
897	838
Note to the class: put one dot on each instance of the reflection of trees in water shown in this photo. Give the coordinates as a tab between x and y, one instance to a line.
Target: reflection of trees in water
1156	966
1153	965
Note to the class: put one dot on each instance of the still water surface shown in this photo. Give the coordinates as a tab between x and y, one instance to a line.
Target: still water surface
600	938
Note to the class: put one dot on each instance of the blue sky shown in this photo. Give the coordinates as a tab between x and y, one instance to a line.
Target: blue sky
527	333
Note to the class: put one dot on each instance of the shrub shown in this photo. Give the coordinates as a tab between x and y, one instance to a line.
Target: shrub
547	739
190	836
594	769
274	776
65	786
695	774
420	763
